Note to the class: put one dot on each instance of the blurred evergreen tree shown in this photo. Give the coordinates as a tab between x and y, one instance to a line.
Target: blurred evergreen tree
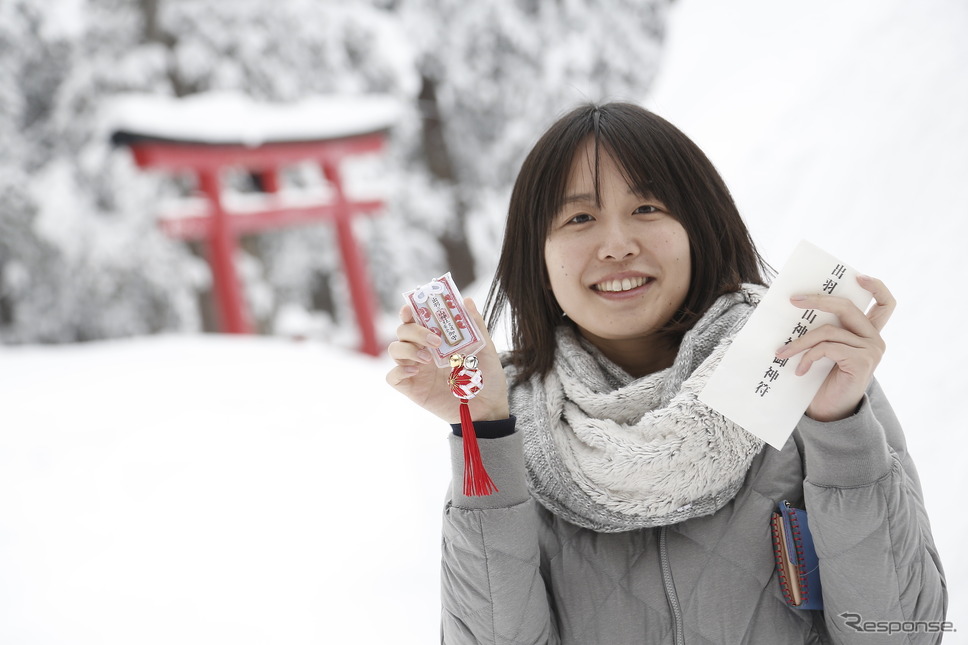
80	255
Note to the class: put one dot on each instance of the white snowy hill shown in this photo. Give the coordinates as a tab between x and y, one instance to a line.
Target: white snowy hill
203	490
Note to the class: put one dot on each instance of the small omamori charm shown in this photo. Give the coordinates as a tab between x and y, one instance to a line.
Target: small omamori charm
465	382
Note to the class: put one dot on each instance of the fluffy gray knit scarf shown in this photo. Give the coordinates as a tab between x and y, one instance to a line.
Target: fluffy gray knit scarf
612	453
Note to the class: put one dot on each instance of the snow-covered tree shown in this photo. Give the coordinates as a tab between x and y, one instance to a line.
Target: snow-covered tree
80	254
493	77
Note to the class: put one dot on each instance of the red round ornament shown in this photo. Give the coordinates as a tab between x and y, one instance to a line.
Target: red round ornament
465	382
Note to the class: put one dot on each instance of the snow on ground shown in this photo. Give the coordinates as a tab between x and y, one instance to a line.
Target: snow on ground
214	490
253	490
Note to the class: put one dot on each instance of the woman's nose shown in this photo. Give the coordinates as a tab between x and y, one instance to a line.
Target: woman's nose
617	242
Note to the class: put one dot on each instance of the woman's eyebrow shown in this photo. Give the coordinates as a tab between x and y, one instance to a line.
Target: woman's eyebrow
588	198
645	193
584	198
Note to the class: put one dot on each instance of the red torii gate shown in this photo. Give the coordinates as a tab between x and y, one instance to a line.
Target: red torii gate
219	228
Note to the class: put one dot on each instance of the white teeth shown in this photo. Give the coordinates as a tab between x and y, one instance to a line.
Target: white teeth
625	284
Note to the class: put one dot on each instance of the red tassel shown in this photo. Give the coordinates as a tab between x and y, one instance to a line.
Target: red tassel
465	382
477	482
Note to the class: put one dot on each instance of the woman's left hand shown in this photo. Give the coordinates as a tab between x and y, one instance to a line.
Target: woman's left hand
856	348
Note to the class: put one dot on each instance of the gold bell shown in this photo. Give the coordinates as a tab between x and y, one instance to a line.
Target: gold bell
456	360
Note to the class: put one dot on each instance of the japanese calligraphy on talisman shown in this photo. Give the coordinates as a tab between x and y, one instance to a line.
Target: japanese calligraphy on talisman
438	306
752	386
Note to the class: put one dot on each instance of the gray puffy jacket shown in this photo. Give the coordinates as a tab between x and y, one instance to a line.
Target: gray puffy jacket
513	573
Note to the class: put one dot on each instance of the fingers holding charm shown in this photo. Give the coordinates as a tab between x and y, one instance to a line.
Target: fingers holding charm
884	301
855	346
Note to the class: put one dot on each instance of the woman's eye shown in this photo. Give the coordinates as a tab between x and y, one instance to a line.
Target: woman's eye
580	219
646	209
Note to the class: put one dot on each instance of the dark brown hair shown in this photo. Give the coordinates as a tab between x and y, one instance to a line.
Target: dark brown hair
656	158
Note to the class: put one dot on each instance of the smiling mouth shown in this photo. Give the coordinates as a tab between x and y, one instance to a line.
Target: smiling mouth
618	286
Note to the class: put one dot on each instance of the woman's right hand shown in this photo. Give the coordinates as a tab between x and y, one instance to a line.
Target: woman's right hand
418	377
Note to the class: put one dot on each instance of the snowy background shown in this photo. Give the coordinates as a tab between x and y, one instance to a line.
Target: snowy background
203	489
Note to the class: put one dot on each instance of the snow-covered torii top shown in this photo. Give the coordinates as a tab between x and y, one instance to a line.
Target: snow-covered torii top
207	133
233	118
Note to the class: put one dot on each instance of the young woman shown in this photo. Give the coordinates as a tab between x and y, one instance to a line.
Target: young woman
627	511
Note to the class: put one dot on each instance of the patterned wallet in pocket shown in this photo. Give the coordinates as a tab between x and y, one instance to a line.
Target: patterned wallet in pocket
796	559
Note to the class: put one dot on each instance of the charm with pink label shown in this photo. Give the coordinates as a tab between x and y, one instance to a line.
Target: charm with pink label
439	307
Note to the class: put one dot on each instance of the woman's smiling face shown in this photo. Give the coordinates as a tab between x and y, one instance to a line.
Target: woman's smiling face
619	268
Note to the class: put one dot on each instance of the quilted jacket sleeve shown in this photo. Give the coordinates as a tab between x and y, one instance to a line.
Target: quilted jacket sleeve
491	585
878	561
